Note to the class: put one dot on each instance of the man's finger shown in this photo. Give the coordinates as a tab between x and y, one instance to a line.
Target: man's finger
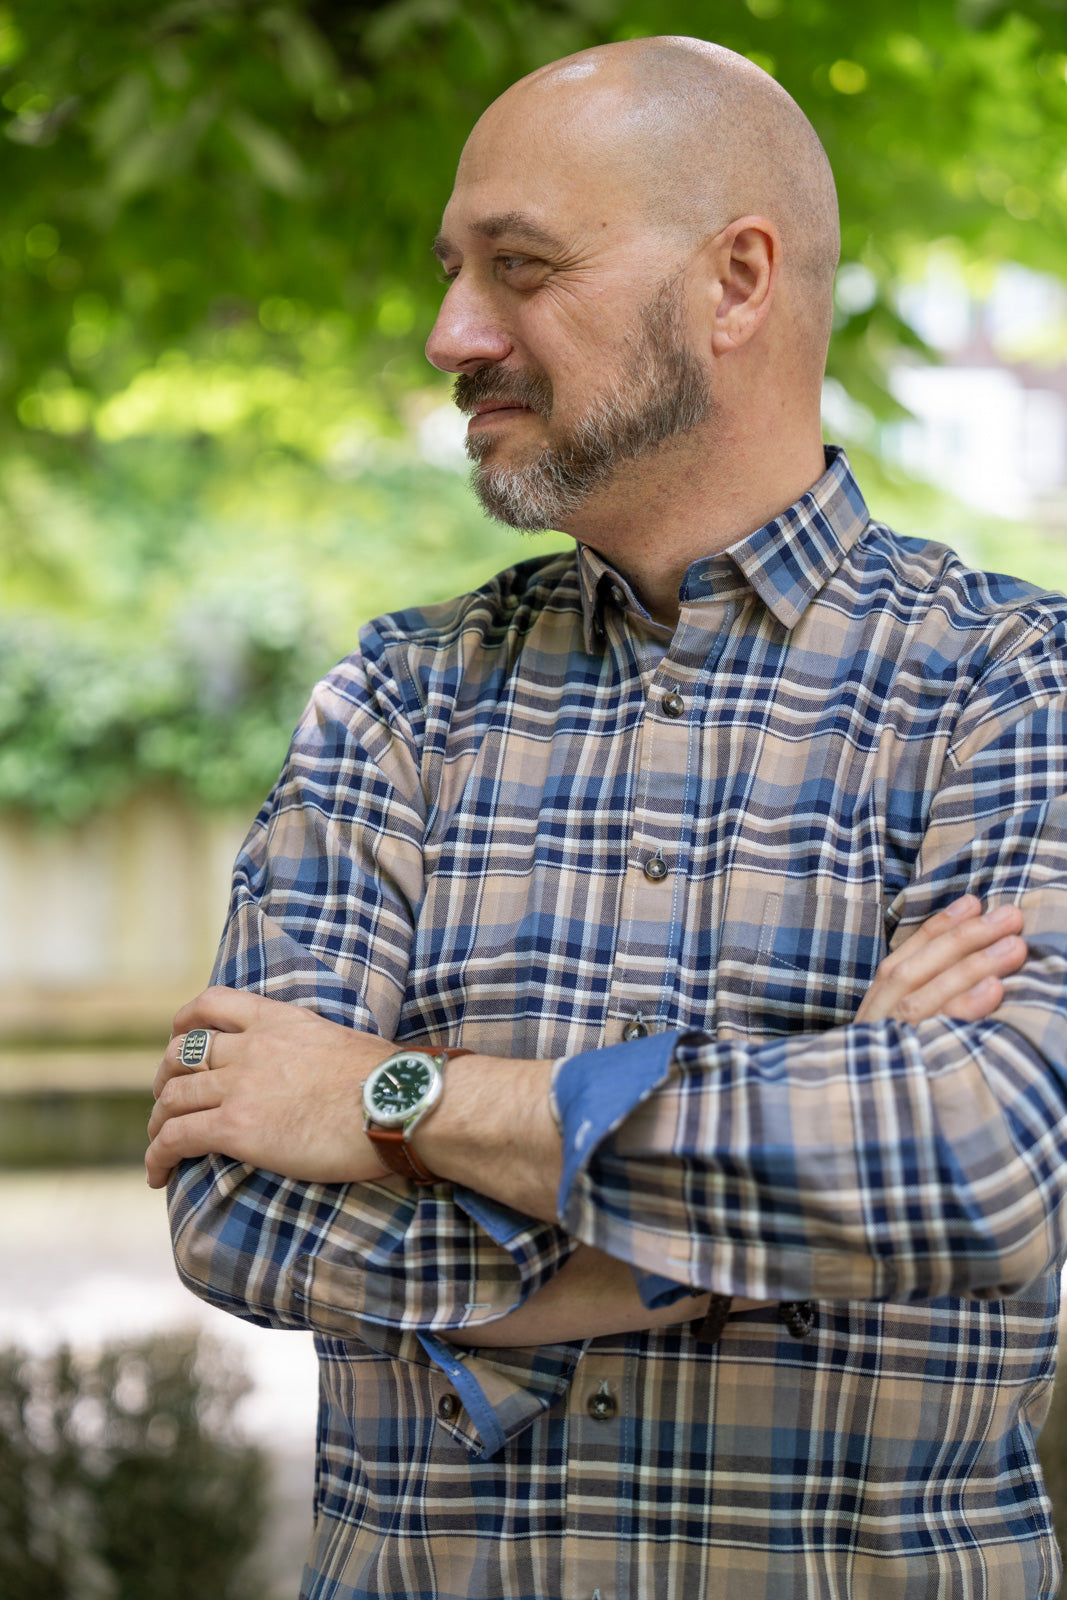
172	1066
177	1140
965	909
919	959
189	1092
232	1010
977	1003
935	997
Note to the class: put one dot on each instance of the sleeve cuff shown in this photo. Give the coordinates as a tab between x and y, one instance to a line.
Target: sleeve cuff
593	1094
657	1292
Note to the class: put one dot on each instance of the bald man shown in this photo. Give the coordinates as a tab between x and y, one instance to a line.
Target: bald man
624	1055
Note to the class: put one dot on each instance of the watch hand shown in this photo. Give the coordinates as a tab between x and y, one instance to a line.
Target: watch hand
387	1079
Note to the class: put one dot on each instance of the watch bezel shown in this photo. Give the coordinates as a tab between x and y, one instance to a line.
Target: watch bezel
429	1097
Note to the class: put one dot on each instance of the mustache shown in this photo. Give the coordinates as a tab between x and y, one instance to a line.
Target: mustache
531	389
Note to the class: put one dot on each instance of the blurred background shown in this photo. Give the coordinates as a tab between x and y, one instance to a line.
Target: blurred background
221	449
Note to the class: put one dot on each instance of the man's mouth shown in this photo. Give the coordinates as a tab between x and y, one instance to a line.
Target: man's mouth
489	392
489	408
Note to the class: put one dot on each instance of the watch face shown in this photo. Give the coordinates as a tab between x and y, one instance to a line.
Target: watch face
398	1086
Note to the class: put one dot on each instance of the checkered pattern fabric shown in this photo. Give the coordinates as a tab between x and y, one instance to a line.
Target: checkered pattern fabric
846	730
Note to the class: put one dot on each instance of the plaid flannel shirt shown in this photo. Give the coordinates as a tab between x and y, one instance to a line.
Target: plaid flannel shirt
846	730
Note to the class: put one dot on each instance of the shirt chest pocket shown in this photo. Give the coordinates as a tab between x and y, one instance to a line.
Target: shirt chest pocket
794	960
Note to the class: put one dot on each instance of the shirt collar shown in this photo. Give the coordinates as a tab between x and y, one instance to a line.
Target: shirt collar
787	561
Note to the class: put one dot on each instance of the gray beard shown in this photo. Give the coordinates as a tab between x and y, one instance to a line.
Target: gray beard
664	392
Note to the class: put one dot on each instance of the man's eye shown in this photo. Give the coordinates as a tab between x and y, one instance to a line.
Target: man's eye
522	271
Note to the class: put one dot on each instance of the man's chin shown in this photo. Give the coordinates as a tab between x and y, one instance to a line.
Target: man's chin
506	498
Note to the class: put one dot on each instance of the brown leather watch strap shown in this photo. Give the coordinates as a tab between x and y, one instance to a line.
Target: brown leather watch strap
398	1155
391	1143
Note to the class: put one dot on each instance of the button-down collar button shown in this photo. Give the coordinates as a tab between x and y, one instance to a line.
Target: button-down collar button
448	1407
601	1406
618	596
673	704
655	867
636	1028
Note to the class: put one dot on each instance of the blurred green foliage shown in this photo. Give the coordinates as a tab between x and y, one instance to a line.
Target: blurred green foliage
174	169
216	281
120	1478
167	614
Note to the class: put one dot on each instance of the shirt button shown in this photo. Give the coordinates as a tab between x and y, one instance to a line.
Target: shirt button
636	1029
618	596
448	1407
601	1407
655	868
673	704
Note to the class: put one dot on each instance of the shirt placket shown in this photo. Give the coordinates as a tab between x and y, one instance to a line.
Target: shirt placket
601	1400
666	768
598	1408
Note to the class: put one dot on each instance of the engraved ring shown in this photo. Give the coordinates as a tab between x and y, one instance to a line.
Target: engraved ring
195	1052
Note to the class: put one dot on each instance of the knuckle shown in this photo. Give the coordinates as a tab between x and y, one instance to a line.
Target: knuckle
169	1136
906	973
908	1009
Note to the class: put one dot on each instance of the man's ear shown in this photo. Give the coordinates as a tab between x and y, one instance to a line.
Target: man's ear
743	262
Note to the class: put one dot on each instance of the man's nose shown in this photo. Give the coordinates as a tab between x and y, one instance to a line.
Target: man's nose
466	335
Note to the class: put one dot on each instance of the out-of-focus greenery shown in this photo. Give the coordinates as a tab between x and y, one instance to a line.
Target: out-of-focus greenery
120	1476
215	280
167	615
172	170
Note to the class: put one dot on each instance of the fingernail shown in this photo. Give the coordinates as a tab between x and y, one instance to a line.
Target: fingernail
1002	946
960	908
983	983
1000	917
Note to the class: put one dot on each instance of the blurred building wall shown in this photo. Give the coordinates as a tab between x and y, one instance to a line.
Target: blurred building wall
109	926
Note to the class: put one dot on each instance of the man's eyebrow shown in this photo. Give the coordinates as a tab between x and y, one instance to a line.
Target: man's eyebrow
518	225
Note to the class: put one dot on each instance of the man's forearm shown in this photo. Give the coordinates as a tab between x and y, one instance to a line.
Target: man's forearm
592	1295
494	1132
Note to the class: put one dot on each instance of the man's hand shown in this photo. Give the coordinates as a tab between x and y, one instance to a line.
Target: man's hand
283	1092
950	967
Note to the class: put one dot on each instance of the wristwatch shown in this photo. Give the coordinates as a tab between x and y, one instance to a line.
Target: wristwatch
396	1096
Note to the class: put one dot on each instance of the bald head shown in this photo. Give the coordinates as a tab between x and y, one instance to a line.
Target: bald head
704	137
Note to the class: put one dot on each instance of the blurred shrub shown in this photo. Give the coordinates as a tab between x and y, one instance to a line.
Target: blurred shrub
120	1478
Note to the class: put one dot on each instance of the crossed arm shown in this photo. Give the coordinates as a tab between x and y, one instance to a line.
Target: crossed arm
283	1095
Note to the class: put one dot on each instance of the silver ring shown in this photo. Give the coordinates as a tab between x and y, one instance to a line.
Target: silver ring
195	1052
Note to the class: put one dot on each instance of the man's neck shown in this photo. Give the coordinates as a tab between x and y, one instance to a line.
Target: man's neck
657	518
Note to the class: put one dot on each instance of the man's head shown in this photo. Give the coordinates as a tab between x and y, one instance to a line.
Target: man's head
640	239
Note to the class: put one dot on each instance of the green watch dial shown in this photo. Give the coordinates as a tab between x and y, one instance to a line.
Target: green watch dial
400	1087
